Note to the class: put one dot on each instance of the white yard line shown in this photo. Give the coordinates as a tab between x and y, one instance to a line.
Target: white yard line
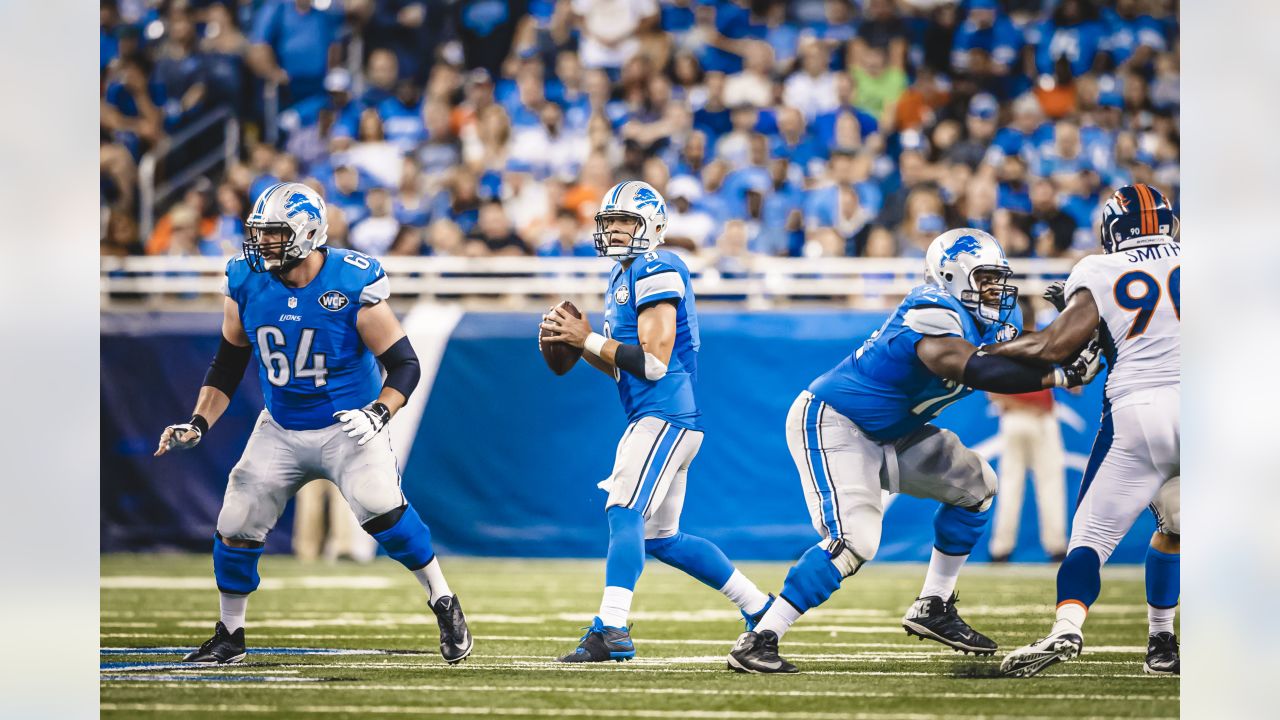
533	712
735	692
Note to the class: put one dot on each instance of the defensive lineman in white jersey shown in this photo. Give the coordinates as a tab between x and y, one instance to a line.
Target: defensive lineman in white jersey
1131	296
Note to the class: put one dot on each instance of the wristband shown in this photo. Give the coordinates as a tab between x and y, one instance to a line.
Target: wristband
594	343
200	423
1060	378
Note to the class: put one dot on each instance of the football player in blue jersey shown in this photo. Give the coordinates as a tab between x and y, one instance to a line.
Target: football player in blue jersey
649	347
316	321
863	428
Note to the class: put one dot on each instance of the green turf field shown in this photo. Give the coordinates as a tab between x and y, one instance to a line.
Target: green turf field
856	661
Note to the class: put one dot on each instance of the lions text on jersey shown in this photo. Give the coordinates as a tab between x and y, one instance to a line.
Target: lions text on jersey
311	360
1139	297
656	276
884	387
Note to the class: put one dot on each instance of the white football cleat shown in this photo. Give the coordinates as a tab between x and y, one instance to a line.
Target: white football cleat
1031	659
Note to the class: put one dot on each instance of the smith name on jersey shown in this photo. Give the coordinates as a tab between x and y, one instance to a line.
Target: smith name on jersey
653	277
884	388
311	360
1139	297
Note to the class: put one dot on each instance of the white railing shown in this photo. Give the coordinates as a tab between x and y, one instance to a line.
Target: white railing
759	282
151	195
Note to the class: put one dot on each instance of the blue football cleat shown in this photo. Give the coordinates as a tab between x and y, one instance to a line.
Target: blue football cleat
753	620
602	643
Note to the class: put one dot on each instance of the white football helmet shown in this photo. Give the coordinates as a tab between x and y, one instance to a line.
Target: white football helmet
294	208
951	261
637	201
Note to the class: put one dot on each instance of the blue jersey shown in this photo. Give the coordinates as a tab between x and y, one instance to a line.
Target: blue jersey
656	276
884	388
311	360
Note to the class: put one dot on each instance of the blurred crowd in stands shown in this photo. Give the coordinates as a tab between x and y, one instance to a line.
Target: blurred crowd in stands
801	128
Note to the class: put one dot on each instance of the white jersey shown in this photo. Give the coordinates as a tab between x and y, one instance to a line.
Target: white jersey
1138	293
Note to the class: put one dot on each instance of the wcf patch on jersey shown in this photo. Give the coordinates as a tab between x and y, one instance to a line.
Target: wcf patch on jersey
622	295
333	300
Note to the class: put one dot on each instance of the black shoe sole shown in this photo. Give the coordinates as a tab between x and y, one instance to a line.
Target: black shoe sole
1152	671
737	667
925	633
1061	653
228	661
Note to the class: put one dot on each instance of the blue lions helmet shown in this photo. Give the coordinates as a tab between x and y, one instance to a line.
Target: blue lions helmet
1137	215
289	208
963	262
644	213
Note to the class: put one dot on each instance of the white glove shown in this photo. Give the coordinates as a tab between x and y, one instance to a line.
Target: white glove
1083	369
364	423
182	436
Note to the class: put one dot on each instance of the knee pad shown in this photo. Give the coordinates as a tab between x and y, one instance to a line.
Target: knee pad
373	496
846	557
407	541
1080	577
236	519
235	570
956	530
812	579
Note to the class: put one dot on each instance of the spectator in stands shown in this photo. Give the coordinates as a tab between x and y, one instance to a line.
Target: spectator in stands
980	129
401	116
373	155
228	235
182	71
688	227
293	46
346	193
754	85
486	30
812	90
375	234
492	234
879	85
190	219
410	205
882	28
568	238
445	238
1052	229
130	109
610	30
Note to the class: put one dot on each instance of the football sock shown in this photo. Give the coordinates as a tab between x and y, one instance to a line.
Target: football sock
1163	581
956	529
432	579
235	569
1160	619
781	616
703	560
407	541
809	582
1080	577
944	570
623	565
232	609
615	606
1070	617
744	593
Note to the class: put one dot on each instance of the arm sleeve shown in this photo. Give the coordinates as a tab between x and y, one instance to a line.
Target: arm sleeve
403	369
994	373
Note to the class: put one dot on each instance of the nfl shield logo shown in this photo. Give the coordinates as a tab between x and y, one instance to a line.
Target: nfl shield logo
293	302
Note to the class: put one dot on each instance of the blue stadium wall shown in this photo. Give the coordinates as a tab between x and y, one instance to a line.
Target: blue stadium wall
506	456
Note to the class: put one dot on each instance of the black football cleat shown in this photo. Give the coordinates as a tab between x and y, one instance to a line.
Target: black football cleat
933	618
455	639
1162	655
758	653
1043	653
602	643
753	620
224	648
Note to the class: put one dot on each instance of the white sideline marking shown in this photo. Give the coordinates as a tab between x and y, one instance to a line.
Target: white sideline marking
736	692
310	582
362	710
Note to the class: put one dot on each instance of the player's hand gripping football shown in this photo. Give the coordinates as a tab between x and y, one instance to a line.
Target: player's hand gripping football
180	436
1083	369
364	423
566	328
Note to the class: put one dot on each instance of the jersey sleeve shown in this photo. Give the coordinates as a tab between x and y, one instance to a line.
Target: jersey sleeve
1079	279
928	313
658	278
233	281
376	285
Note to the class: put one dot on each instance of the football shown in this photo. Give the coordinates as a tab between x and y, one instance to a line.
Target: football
560	356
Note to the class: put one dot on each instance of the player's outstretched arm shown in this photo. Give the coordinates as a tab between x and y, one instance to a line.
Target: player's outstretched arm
220	384
381	332
956	359
1065	337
